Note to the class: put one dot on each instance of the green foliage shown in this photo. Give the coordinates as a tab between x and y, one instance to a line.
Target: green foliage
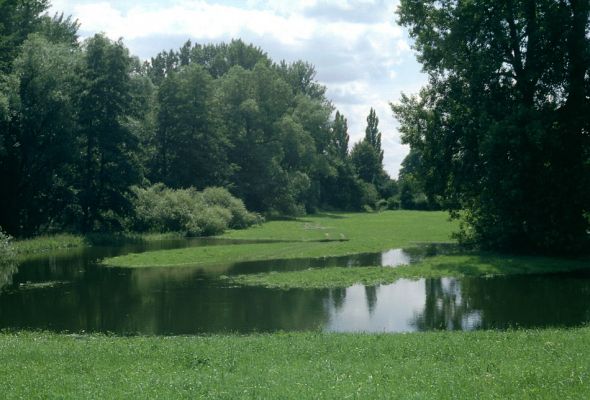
160	209
110	165
372	134
381	205
189	152
7	259
369	194
6	248
60	29
240	217
366	161
38	173
501	129
82	123
18	18
393	203
340	136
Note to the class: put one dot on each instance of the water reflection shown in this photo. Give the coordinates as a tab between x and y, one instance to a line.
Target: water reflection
193	300
7	270
464	304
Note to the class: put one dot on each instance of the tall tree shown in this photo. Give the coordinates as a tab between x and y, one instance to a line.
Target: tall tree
189	150
372	133
339	137
110	164
503	125
367	155
37	173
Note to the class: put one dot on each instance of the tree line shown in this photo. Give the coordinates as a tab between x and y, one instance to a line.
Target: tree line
84	123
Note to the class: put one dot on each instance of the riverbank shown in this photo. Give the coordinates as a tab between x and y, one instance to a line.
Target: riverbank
485	364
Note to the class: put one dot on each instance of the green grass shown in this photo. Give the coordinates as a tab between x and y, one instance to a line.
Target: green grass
45	243
539	364
49	243
436	267
363	233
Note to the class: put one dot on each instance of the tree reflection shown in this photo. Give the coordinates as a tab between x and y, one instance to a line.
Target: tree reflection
444	308
371	295
7	270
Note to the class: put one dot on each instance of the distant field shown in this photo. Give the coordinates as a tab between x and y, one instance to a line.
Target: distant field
311	236
545	364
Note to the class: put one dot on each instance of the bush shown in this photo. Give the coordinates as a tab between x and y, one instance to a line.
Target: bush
6	250
7	259
393	203
161	209
369	195
381	205
367	208
240	216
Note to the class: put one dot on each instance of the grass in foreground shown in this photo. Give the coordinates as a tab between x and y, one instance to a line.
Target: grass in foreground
485	365
436	267
364	233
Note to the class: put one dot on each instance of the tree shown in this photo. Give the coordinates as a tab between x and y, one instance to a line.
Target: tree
503	124
339	137
189	151
372	134
60	29
367	155
37	173
110	160
366	161
18	19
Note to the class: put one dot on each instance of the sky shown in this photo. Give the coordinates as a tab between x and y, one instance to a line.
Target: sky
359	52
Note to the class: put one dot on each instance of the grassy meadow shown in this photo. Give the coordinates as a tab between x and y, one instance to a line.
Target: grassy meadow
544	364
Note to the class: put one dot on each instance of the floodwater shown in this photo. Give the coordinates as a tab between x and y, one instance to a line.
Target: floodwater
70	291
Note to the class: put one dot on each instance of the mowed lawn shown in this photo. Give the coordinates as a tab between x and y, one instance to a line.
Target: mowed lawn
312	236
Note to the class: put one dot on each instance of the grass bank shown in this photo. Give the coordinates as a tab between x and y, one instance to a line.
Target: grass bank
309	237
485	365
482	264
47	243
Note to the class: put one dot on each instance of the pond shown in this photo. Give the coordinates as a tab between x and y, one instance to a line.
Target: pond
70	291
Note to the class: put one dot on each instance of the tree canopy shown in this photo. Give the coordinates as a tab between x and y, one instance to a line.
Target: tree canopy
503	126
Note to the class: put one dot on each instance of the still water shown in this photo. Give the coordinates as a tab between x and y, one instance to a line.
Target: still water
70	291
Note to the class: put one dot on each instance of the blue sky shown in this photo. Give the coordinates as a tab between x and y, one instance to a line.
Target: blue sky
359	52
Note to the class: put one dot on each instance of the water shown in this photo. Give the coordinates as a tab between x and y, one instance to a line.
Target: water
69	291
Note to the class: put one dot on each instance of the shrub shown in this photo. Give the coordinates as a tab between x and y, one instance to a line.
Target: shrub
369	194
6	250
367	208
381	205
393	203
240	216
7	259
161	209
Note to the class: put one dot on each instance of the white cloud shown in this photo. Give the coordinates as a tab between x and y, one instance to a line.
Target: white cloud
359	52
